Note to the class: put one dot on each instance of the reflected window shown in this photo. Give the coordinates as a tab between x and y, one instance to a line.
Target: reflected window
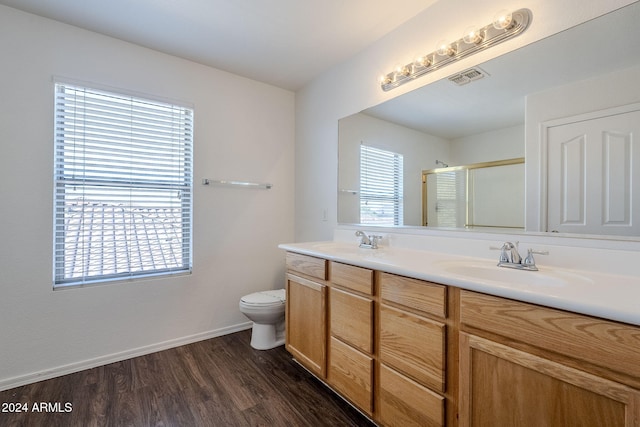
381	182
447	203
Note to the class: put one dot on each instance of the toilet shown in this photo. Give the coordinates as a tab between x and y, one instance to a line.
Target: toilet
266	310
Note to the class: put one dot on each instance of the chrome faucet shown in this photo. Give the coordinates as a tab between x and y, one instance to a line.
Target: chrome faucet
369	242
364	239
509	253
510	257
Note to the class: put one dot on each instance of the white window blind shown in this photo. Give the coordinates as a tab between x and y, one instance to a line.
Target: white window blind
123	186
381	186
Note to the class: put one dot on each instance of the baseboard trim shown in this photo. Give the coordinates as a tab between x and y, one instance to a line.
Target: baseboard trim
70	368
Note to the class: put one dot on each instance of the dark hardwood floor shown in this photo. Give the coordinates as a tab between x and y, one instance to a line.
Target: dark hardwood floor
218	382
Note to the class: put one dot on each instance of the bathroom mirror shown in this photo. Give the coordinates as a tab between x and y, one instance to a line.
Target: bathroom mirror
482	120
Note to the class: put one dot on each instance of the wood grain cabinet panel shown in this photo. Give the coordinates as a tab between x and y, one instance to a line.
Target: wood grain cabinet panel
586	338
413	345
306	323
413	293
305	264
502	386
352	319
351	373
349	276
405	403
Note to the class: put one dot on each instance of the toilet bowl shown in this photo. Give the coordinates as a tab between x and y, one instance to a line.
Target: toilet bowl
266	310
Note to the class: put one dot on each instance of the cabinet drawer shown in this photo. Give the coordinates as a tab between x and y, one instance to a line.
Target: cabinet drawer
351	319
351	373
352	277
413	293
305	264
404	402
604	343
413	345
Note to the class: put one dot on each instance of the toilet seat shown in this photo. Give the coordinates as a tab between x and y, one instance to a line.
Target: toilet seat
271	298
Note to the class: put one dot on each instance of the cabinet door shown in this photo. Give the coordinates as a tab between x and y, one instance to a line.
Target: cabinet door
502	386
306	321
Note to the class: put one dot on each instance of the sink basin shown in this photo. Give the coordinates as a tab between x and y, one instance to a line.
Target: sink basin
491	272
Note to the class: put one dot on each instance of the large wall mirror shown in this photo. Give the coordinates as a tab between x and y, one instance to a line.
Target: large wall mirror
384	150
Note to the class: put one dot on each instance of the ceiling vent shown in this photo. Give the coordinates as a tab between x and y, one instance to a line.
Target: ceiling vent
467	76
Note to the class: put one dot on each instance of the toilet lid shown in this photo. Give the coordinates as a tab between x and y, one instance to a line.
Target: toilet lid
264	298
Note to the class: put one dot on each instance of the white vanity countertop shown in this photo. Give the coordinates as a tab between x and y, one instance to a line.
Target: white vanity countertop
609	296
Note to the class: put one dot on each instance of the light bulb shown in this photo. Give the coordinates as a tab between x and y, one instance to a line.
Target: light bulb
445	49
423	61
385	79
401	70
502	20
472	35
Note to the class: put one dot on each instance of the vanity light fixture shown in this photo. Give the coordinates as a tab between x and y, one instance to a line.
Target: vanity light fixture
504	26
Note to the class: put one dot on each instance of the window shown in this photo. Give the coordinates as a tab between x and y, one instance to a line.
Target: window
381	181
449	193
123	186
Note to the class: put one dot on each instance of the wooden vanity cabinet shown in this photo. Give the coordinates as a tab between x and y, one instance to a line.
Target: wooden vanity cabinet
389	340
411	352
526	365
306	311
350	354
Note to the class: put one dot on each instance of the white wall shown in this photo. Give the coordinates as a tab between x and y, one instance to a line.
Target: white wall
499	144
352	86
244	130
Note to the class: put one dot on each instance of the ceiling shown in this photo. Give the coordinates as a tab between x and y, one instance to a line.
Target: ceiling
285	43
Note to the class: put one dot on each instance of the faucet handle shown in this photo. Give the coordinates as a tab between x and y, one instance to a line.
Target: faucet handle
504	257
533	251
530	261
374	241
504	254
